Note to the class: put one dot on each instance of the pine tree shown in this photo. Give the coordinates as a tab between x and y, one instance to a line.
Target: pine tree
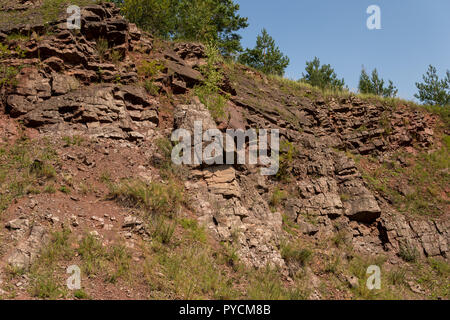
266	56
194	20
375	85
433	90
322	77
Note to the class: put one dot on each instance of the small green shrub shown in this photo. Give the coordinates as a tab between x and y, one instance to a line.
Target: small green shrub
102	48
155	198
44	284
293	253
4	51
163	230
287	154
121	261
8	75
92	253
197	232
332	265
150	87
440	266
267	285
397	277
209	92
81	294
278	196
151	68
116	57
73	140
408	252
339	238
42	169
65	189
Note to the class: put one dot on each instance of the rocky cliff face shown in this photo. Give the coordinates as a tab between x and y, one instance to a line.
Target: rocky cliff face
89	83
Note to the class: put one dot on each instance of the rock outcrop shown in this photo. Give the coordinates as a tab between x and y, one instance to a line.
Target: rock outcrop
88	81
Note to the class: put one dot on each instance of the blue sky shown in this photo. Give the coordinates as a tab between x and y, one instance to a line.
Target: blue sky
414	34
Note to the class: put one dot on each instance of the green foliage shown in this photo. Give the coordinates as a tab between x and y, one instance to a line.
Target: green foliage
24	167
278	196
339	238
433	90
194	20
440	266
408	252
267	285
214	101
150	68
167	169
266	56
287	154
92	253
120	258
155	197
8	75
397	277
17	37
294	253
51	9
65	189
375	85
102	48
193	273
44	284
209	92
150	87
332	265
81	294
426	178
163	229
73	140
4	51
50	189
197	232
116	57
113	262
322	77
42	169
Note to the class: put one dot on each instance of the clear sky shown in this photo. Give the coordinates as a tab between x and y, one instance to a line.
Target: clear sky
414	34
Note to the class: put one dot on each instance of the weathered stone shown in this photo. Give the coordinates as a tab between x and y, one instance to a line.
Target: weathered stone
221	180
18	105
26	251
62	84
31	83
363	209
18	224
131	222
189	75
307	228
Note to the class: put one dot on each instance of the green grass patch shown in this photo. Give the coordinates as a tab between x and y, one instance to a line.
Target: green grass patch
25	166
154	197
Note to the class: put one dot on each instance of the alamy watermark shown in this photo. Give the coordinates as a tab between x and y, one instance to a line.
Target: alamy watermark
215	147
374	20
74	20
374	280
74	281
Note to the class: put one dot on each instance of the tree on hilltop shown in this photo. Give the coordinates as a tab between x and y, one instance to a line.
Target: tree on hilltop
322	77
265	56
